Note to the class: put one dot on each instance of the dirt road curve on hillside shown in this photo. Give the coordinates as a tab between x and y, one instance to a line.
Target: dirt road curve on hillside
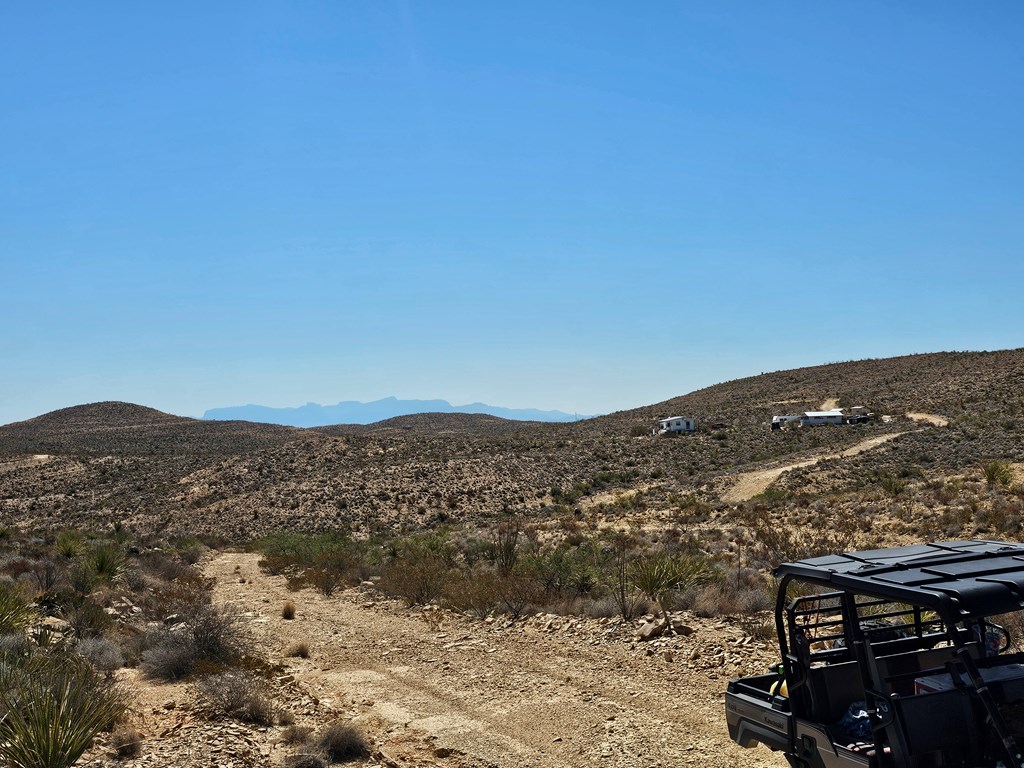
929	418
749	484
467	693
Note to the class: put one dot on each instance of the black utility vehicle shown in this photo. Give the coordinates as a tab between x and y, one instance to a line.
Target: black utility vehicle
905	657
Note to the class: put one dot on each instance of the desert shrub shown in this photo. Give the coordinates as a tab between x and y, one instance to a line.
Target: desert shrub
288	610
219	634
417	578
48	577
325	579
298	649
474	592
772	544
208	634
306	758
239	694
13	647
87	618
893	485
103	654
517	591
285	717
15	612
171	658
165	567
296	734
50	710
285	553
82	578
126	741
997	473
342	742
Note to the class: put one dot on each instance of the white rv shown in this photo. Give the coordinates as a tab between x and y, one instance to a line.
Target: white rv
677	424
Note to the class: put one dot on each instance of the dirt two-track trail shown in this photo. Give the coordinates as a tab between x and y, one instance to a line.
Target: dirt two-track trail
448	690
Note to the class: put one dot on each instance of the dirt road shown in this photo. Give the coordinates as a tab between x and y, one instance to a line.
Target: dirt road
748	484
929	418
448	690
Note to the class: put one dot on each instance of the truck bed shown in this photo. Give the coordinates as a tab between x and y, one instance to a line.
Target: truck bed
755	716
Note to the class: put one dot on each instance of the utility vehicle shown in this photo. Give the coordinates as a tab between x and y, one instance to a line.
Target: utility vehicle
910	657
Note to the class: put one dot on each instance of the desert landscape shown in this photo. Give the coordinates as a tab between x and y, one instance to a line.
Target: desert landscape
460	590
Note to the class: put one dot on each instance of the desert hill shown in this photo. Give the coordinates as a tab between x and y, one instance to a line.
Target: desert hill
125	428
95	464
475	424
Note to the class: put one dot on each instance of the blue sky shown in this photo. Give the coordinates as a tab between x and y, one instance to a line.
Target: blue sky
583	206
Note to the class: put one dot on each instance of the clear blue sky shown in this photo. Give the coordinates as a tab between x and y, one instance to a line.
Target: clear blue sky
584	206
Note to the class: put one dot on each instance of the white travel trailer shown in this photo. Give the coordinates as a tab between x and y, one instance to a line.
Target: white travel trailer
820	418
677	424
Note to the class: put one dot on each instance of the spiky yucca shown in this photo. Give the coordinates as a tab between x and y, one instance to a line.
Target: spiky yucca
50	710
15	613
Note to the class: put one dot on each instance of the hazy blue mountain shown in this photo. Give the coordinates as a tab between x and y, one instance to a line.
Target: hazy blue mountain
355	412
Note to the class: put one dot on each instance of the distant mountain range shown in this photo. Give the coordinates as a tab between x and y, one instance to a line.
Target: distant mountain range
355	412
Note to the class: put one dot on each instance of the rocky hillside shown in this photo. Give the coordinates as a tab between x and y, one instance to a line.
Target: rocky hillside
96	464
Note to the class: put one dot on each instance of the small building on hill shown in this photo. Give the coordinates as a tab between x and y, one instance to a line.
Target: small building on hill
677	424
779	421
821	418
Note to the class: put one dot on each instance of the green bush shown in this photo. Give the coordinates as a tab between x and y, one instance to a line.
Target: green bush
50	710
15	613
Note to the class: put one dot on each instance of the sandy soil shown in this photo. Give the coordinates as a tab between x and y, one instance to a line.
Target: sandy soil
748	484
929	418
829	405
455	691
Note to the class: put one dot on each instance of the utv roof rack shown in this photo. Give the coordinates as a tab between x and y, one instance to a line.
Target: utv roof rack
971	579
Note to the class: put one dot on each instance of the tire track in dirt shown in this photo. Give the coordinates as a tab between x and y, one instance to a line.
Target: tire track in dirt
466	693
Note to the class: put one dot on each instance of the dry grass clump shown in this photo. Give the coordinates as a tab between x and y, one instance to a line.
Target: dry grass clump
338	742
342	742
126	741
298	649
296	734
288	610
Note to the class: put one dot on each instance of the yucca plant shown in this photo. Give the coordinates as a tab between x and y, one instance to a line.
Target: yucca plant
50	710
107	562
657	575
15	613
997	472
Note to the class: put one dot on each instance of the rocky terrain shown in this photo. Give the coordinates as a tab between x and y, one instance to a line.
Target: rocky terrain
107	462
562	680
436	688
